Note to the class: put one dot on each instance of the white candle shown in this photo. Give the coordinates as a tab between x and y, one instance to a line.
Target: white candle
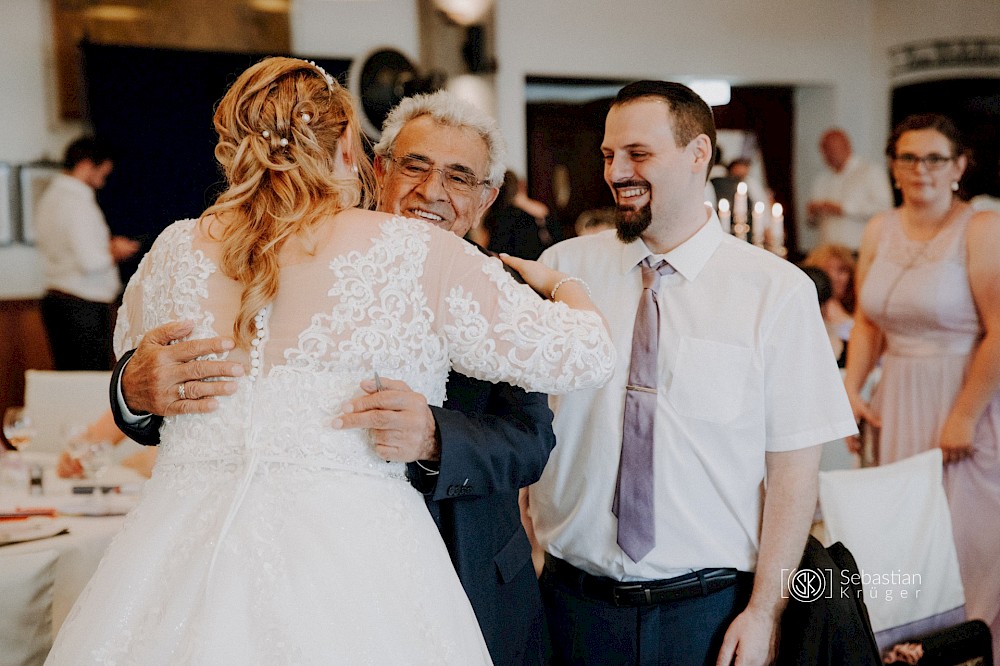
725	217
757	230
740	204
777	226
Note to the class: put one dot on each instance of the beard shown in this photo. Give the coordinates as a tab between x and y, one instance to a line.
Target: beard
630	221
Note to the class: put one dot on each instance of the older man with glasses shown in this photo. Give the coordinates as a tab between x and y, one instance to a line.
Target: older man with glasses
439	160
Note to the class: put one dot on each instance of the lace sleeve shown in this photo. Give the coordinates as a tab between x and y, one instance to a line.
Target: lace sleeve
129	327
499	330
165	287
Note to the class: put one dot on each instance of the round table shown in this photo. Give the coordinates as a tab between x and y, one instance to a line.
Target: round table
77	553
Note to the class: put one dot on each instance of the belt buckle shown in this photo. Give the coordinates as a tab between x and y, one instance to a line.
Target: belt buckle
628	588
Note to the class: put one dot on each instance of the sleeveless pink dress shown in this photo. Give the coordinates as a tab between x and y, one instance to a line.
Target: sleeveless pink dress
918	294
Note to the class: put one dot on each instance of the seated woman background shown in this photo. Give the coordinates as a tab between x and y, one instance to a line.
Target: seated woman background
837	261
105	430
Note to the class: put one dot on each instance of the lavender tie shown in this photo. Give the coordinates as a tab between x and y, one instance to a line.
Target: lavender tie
633	503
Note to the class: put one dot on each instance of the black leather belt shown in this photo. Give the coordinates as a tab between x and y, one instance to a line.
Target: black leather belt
640	593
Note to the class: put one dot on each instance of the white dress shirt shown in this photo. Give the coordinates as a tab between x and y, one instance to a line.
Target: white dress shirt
862	190
74	242
744	367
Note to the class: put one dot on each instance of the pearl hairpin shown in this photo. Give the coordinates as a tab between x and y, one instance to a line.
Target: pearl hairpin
283	142
329	79
306	118
265	134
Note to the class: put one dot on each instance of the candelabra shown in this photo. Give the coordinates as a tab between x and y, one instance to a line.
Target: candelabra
740	226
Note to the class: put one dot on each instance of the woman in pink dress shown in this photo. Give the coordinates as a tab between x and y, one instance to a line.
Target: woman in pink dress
929	285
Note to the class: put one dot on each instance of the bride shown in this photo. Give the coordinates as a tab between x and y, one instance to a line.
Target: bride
265	535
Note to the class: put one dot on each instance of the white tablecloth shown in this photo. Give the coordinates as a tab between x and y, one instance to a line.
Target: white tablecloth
79	553
41	579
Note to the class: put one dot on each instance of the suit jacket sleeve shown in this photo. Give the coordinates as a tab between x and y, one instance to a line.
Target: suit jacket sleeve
500	449
148	432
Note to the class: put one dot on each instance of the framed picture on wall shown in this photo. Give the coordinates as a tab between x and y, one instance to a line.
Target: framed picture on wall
6	204
33	178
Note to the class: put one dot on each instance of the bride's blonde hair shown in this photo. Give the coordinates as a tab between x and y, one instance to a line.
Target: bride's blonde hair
279	127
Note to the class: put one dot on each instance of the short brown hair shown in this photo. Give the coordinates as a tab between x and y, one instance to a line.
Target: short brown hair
691	115
920	121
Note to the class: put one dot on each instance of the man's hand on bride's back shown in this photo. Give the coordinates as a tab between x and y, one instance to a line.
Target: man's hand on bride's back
152	379
402	425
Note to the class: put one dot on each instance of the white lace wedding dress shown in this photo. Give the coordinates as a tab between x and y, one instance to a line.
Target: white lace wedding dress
265	536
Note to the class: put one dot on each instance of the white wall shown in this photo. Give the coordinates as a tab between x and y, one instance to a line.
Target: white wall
900	21
29	127
342	29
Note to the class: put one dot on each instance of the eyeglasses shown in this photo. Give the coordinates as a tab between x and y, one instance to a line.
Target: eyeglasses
455	181
933	162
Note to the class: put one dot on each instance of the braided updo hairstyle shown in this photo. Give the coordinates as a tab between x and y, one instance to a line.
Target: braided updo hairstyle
279	127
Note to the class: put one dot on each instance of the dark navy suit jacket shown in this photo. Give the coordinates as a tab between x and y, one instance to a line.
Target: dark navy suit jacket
495	439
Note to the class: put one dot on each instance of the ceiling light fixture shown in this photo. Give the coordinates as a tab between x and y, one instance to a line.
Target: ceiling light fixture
464	12
715	92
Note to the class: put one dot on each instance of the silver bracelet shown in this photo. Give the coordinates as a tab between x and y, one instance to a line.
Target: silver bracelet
552	296
429	472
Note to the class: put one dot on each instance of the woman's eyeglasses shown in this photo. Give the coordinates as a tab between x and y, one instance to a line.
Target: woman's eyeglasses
933	162
455	181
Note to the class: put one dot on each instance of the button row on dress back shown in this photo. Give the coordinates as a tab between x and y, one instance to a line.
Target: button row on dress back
258	321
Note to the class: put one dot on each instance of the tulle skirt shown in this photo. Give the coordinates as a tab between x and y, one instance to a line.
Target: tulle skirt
282	564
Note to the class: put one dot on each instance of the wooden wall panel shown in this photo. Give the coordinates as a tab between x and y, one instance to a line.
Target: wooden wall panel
23	345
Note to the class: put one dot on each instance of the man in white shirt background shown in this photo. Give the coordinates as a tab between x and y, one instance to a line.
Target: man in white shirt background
848	195
744	389
80	259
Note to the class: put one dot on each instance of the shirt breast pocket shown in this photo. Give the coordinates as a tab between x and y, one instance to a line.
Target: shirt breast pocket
710	380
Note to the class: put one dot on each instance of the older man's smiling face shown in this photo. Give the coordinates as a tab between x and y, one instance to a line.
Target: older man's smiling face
441	147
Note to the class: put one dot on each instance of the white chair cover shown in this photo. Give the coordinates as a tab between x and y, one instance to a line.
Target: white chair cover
895	520
55	399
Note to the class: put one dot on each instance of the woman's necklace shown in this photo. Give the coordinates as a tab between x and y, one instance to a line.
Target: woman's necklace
916	248
913	251
921	229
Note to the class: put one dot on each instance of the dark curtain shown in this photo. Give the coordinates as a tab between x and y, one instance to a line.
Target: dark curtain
568	136
155	106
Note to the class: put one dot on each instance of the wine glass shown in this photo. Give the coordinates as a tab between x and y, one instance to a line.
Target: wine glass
93	455
17	431
17	427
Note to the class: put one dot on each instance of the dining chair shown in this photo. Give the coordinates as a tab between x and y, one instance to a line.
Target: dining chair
55	399
895	520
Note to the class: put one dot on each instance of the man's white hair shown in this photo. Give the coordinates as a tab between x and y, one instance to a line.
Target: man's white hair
447	109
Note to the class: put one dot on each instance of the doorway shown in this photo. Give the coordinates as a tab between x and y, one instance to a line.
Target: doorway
564	138
974	105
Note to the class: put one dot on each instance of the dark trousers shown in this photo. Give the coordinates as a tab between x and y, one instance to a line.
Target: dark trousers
688	632
79	331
